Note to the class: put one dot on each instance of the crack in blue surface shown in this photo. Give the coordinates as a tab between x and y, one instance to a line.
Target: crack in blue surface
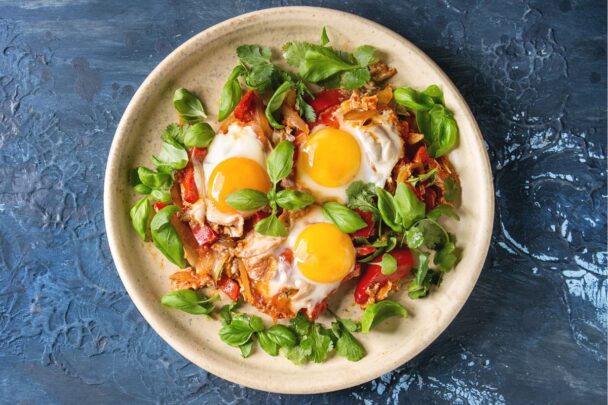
534	329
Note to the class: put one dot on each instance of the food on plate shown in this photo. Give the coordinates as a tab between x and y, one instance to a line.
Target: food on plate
312	177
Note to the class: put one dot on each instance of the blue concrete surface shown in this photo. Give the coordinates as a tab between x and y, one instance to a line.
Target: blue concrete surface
534	329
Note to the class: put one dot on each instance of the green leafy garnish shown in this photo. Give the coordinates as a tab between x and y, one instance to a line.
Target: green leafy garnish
247	200
259	69
275	103
237	332
173	155
324	37
388	264
231	93
380	311
349	347
189	107
140	215
293	199
271	226
409	207
189	301
347	220
362	195
280	161
165	237
199	135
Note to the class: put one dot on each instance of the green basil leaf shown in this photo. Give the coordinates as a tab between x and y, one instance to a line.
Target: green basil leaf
140	215
173	154
152	179
412	99
199	135
267	344
256	323
189	301
231	93
237	333
165	237
388	264
355	78
435	93
388	209
142	189
271	226
293	199
423	121
321	343
443	131
161	195
443	210
188	106
247	199
409	207
275	103
349	347
365	55
319	65
226	313
246	349
347	220
324	37
280	161
281	335
380	311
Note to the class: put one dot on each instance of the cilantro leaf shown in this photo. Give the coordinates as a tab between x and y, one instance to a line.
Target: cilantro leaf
349	347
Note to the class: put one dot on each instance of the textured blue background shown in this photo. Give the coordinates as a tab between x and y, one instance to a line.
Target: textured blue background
534	329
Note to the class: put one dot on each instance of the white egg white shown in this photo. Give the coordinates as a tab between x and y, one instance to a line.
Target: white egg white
381	148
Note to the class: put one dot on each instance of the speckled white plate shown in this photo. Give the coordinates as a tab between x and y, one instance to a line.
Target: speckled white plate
202	65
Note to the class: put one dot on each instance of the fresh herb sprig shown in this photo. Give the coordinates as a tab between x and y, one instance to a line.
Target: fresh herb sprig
278	165
190	301
434	120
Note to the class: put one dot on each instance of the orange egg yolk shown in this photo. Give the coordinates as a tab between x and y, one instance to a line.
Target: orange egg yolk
234	174
324	253
331	157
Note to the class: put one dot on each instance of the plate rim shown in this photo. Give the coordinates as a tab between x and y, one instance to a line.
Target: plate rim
130	286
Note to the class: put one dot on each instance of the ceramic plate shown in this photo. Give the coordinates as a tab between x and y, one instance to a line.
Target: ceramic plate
202	65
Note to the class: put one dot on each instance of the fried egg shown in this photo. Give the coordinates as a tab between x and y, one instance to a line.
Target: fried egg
332	158
235	160
314	259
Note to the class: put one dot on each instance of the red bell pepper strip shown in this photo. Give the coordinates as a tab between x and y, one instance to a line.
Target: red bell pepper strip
245	109
188	185
327	118
327	98
229	287
367	231
203	234
374	275
159	206
365	250
198	154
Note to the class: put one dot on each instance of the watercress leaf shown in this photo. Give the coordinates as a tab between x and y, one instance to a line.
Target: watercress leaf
253	54
433	234
319	65
422	266
173	154
140	215
165	237
321	343
231	93
188	106
388	209
388	264
355	78
349	347
451	190
256	323
347	220
161	195
365	55
293	199
414	237
409	207
435	93
369	258
280	161
281	335
246	349
412	99
443	210
189	301
142	189
324	37
380	311
153	180
271	226
447	257
247	199
300	324
199	135
267	344
391	243
275	103
237	333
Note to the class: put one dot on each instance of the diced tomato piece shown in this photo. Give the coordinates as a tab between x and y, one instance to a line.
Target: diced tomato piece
422	156
373	275
287	255
198	154
159	206
229	287
245	109
203	234
327	98
327	118
367	231
365	250
188	185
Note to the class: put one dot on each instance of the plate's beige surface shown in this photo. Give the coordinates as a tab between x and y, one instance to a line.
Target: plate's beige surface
202	65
